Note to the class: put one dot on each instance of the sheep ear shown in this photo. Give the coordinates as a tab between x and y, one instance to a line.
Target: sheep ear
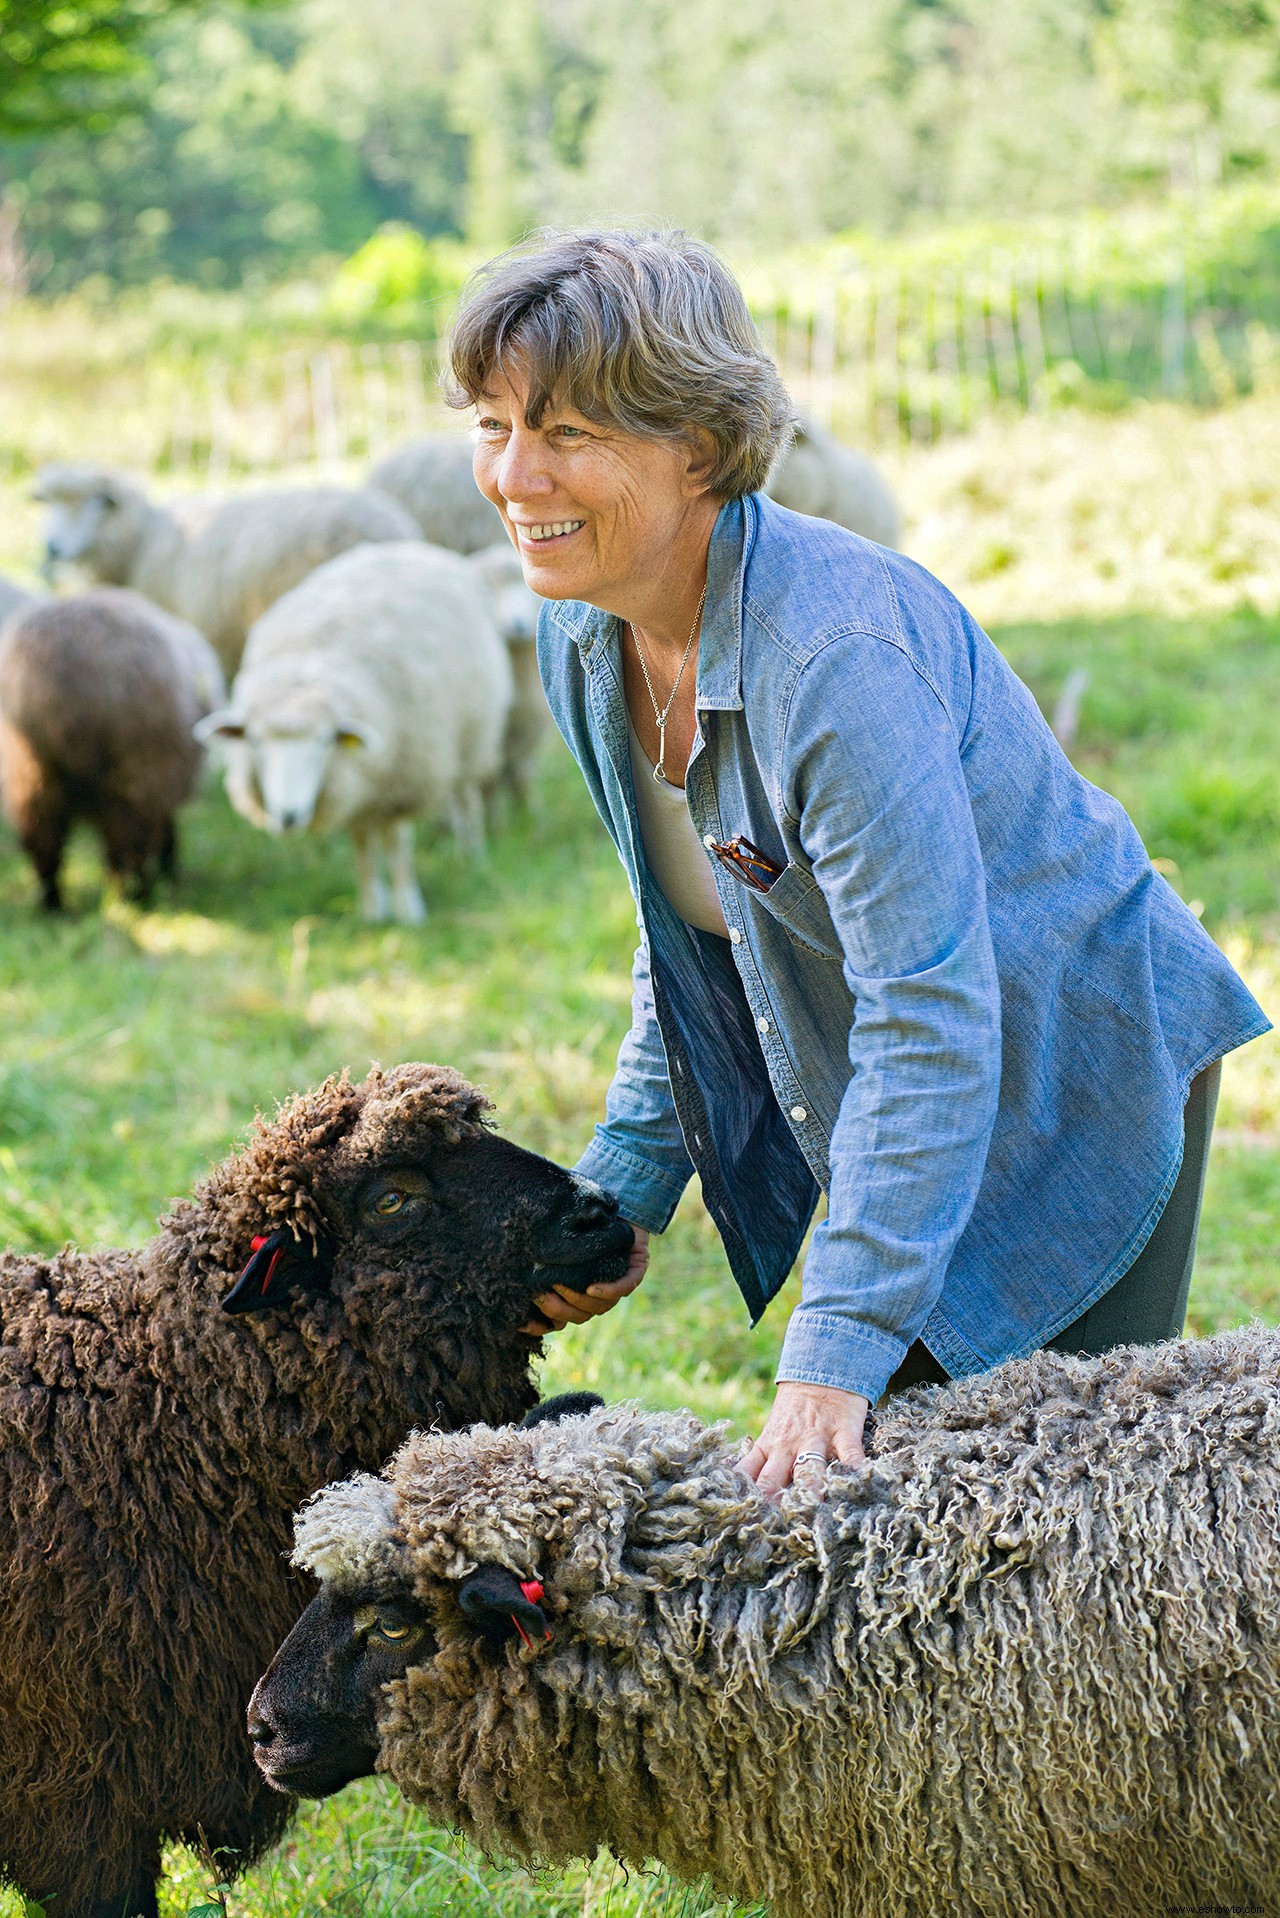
278	1264
565	1405
223	725
494	1599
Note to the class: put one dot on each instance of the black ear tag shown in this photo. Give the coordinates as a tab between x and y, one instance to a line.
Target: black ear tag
496	1600
279	1263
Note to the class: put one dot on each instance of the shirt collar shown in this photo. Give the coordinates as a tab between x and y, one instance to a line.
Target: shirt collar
720	642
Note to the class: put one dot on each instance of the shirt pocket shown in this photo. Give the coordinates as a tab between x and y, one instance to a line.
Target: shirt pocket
795	900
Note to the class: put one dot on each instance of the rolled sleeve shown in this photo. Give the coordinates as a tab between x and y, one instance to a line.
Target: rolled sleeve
822	1348
878	794
639	1153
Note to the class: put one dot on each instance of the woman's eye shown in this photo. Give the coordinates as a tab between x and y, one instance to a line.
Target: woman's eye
570	432
388	1204
491	429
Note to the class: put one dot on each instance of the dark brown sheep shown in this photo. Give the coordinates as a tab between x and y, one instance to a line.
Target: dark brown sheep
98	698
154	1445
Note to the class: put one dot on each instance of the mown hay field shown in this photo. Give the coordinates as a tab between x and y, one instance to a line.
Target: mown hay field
135	1046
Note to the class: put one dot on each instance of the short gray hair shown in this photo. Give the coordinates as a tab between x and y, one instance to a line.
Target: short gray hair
641	329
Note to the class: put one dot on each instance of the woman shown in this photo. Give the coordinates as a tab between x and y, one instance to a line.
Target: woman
892	946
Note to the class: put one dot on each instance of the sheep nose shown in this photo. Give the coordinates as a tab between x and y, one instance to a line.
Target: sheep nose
260	1731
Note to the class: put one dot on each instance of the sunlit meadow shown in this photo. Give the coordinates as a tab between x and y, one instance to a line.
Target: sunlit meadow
1142	549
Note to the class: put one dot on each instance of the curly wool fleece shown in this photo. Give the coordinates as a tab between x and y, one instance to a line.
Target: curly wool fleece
1026	1661
153	1450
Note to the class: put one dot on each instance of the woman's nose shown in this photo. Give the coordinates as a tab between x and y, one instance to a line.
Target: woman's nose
522	473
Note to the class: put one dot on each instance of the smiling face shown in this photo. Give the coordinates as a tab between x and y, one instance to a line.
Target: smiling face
596	513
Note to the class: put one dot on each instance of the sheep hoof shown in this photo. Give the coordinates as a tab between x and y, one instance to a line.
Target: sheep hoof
410	908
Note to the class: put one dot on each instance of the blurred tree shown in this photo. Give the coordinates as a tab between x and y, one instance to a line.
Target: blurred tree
233	169
74	62
262	143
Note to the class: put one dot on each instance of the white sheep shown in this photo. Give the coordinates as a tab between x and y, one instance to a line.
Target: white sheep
818	476
218	565
515	608
432	477
375	692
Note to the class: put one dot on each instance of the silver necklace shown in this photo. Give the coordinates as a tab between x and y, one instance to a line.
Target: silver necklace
663	713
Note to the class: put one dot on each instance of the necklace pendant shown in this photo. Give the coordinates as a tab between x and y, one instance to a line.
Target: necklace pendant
659	774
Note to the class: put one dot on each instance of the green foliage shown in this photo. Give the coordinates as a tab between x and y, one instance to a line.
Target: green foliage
1178	722
232	170
66	63
762	124
399	281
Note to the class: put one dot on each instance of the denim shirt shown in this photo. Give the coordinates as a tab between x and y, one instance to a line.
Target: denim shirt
968	1010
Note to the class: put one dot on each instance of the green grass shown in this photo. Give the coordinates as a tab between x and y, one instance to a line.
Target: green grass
135	1047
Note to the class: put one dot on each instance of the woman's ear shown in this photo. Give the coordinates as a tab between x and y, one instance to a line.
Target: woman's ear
701	460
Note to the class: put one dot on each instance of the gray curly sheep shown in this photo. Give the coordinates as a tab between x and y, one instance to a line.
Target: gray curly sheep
160	1418
218	565
1023	1664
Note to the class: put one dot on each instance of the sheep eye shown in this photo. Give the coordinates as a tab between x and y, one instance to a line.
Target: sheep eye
394	1632
389	1204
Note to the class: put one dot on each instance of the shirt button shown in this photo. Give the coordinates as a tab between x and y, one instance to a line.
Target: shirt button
762	1025
708	839
799	1114
735	937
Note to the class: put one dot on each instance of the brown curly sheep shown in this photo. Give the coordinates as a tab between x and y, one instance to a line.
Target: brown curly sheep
154	1445
1024	1664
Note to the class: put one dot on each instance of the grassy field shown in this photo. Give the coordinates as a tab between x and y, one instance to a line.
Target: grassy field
135	1046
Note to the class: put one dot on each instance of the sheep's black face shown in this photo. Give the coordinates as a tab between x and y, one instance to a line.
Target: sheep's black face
536	1222
313	1717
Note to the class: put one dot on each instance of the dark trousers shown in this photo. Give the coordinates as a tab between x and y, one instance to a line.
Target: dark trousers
1149	1302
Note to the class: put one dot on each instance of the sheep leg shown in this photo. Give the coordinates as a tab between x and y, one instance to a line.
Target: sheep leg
407	902
136	1900
132	845
169	850
44	839
468	822
375	901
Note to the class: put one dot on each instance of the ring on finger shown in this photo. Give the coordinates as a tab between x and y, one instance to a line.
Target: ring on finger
812	1458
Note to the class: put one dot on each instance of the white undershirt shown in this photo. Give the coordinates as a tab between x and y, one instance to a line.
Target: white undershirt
676	856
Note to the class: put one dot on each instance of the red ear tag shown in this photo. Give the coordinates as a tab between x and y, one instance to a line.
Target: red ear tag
256	1245
532	1589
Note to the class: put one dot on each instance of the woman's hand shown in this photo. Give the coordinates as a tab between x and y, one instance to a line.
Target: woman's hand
563	1306
806	1418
